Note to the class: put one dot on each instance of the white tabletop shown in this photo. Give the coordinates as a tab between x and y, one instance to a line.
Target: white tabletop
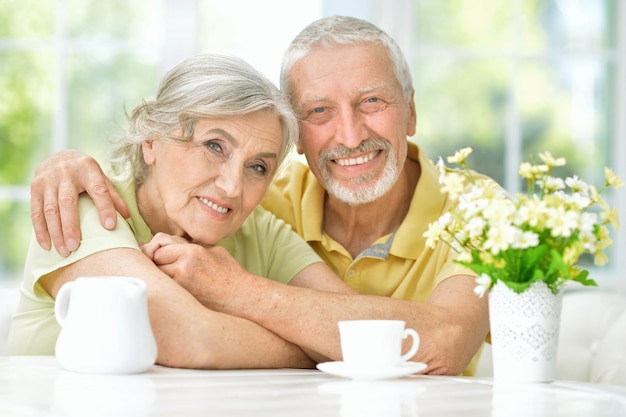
37	386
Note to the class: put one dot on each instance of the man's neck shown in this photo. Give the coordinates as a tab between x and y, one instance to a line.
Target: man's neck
357	227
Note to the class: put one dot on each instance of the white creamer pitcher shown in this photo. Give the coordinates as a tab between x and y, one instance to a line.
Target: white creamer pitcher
105	327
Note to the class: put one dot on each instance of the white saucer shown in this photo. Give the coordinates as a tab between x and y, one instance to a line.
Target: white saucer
370	374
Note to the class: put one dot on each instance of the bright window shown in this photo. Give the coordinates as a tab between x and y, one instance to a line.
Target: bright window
509	78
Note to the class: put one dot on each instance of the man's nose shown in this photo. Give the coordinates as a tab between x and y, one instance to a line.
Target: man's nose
351	129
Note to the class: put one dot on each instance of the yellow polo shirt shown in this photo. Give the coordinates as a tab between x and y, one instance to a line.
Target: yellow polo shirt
398	265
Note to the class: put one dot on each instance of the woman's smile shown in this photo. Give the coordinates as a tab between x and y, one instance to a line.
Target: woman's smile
214	206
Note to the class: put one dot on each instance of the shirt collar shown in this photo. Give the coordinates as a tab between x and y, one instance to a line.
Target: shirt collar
427	204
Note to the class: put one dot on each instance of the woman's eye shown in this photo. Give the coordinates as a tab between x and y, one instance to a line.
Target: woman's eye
319	110
260	168
213	146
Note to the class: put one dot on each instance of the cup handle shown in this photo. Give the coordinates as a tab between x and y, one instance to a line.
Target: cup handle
62	302
416	344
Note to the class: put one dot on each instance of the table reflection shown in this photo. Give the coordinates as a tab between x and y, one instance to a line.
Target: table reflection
37	386
75	395
393	398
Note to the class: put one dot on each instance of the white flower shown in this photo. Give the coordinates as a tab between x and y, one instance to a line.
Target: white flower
433	234
577	185
499	238
587	222
525	240
561	222
464	257
526	170
612	179
472	207
453	184
476	227
579	201
483	283
552	225
551	184
499	211
460	156
531	213
441	167
588	240
549	160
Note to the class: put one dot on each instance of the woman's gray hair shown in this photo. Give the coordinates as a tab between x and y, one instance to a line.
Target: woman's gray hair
343	30
203	86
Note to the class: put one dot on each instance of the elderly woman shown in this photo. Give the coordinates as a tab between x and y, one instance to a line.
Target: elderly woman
194	165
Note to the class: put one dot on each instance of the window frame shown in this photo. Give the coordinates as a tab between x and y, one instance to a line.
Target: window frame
398	23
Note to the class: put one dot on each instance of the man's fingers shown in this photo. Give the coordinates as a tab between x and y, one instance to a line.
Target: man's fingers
53	220
101	191
39	222
118	202
103	200
68	213
45	216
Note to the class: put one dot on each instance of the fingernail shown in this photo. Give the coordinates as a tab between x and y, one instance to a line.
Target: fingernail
108	223
72	245
63	251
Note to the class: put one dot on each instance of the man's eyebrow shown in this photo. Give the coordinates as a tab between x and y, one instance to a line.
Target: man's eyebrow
373	87
312	99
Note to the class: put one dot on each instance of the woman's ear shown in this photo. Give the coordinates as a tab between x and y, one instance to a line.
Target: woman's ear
147	147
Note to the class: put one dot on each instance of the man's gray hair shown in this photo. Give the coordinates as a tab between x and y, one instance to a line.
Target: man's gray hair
343	30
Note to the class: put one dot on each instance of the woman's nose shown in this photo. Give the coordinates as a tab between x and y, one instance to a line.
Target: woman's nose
230	179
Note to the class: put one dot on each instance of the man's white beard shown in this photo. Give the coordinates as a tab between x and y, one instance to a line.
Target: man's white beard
358	194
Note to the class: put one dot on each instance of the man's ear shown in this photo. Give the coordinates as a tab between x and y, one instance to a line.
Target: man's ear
412	119
299	146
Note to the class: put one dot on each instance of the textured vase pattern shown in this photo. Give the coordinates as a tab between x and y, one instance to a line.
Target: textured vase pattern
524	332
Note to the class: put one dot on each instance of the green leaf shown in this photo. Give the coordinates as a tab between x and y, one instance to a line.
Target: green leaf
518	287
582	278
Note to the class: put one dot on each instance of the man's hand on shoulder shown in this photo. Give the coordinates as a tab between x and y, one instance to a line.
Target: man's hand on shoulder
54	192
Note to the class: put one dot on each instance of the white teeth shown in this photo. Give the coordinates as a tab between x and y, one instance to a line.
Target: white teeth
213	205
356	161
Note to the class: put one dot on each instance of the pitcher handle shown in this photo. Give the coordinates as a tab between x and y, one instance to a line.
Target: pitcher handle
62	302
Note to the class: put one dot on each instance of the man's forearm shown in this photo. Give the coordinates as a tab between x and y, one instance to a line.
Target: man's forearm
451	333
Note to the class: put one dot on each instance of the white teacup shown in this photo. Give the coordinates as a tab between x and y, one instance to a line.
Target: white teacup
105	327
375	343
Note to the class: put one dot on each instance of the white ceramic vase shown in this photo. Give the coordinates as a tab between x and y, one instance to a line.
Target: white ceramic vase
524	332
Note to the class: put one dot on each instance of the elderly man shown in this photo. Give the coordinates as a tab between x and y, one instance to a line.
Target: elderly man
362	202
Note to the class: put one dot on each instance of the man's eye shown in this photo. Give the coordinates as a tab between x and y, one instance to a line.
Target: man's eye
373	104
318	115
